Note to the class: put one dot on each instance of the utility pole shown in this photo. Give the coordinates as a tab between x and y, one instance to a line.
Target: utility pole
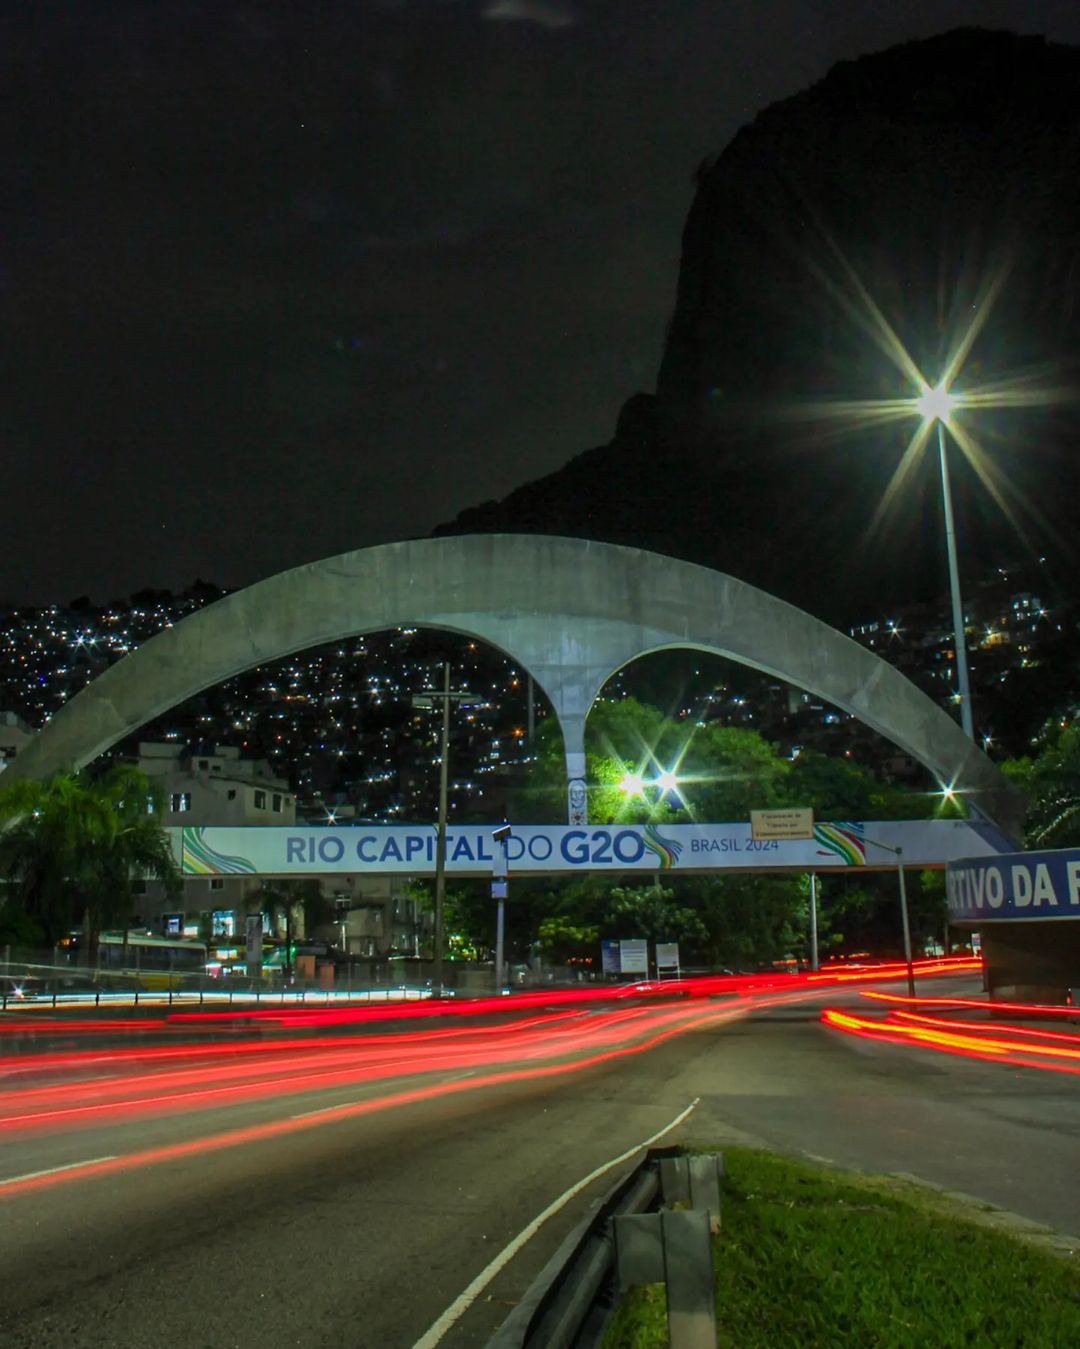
427	701
899	855
813	923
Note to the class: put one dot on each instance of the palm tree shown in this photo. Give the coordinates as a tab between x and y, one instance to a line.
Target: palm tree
43	829
127	843
76	843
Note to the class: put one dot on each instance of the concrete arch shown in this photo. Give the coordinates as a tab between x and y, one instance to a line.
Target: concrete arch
570	611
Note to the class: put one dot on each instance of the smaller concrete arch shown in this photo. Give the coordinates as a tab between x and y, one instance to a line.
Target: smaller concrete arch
569	611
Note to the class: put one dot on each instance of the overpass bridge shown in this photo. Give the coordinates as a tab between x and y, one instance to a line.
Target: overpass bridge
570	612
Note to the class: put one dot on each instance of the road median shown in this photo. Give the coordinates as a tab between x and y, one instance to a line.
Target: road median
810	1256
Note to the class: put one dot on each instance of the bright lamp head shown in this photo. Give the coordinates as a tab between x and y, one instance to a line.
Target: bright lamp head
632	784
935	405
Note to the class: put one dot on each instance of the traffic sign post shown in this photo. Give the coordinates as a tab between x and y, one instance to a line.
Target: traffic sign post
500	874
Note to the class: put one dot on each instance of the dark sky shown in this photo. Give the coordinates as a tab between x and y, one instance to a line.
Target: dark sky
281	280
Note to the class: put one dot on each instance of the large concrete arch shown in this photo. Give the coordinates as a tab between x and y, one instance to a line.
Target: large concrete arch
570	611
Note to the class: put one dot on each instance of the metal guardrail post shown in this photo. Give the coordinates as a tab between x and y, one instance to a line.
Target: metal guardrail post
569	1304
672	1247
695	1181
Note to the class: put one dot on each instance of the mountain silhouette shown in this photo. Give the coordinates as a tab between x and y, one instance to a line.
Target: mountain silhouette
902	199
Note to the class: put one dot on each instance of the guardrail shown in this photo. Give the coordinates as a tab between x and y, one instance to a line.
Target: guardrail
14	994
627	1238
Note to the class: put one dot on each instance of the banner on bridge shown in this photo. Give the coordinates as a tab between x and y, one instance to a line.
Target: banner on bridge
539	849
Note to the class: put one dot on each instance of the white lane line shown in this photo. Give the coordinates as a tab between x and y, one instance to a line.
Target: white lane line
461	1305
325	1110
52	1170
344	1105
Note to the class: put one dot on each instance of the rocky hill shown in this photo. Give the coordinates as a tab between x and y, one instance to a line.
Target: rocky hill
905	185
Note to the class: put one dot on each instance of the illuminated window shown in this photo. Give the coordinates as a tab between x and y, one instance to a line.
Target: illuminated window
180	801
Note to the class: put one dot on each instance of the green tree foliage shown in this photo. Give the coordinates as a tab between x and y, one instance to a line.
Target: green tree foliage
1051	783
70	847
561	940
841	789
291	898
750	920
468	917
724	772
651	911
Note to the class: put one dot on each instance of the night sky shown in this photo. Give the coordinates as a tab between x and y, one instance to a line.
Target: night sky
281	280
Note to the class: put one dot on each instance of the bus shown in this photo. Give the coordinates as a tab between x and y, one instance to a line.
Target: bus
152	962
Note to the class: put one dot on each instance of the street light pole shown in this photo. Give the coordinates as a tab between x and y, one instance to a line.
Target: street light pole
440	846
963	686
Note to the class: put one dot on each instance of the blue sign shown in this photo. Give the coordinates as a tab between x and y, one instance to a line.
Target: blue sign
1021	885
609	957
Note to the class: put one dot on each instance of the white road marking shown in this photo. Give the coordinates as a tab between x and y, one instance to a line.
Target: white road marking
52	1170
461	1305
344	1105
325	1110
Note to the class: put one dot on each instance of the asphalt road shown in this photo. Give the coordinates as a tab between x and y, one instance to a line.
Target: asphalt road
359	1231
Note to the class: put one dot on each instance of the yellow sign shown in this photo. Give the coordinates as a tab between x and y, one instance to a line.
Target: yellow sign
797	822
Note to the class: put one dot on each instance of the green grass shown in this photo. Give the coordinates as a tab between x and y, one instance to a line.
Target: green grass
813	1257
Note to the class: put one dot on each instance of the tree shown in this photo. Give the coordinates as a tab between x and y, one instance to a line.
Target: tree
71	846
1051	782
43	826
287	897
750	919
562	940
126	842
727	771
651	912
468	916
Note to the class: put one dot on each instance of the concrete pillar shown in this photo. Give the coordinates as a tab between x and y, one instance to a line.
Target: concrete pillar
1036	961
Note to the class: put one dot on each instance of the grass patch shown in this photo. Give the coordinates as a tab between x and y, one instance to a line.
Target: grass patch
814	1257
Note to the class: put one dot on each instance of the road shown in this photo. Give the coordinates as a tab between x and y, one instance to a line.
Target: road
346	1228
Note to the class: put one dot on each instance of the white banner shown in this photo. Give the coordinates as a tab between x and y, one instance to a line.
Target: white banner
667	955
634	956
539	849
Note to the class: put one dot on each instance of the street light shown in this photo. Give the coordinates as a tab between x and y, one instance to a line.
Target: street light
634	784
937	405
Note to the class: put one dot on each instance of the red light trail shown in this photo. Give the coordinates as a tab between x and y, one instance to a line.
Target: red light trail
993	1041
283	1056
